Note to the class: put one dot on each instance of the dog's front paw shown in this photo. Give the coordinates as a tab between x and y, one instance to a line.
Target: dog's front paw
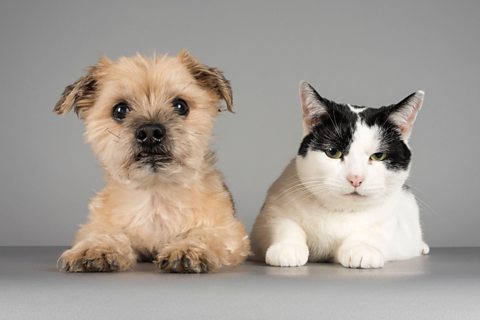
360	256
189	260
92	260
287	255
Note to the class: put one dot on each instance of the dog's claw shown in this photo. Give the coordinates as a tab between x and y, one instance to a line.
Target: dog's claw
186	263
176	267
183	262
204	267
163	263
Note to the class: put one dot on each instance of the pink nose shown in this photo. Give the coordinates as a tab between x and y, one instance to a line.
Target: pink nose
355	180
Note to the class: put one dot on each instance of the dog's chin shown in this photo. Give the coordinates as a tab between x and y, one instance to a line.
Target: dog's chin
156	162
145	171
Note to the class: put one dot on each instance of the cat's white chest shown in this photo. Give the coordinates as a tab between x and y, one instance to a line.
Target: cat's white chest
326	230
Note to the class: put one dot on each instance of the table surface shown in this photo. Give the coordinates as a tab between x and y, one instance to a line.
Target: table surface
443	285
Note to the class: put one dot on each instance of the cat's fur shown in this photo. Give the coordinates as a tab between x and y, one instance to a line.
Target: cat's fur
353	210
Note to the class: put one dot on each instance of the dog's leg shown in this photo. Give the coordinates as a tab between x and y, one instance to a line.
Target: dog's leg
206	249
98	253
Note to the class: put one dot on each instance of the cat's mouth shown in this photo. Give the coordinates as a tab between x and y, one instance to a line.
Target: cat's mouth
355	194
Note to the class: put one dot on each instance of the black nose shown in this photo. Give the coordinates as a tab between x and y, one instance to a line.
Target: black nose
150	134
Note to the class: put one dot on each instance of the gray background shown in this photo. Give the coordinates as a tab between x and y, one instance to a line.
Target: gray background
362	52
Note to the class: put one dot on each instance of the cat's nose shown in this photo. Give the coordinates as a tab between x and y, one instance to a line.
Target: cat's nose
355	180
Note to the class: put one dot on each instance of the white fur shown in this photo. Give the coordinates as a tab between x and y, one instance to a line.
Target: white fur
356	110
309	214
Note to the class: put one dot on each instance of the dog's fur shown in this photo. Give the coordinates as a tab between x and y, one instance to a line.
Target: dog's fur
177	213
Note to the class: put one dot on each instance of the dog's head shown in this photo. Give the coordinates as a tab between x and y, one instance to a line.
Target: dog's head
148	120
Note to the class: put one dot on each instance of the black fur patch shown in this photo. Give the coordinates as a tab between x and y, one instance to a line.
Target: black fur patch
334	129
398	154
230	196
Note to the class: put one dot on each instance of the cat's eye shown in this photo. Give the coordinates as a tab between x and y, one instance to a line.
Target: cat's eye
120	111
180	106
378	156
334	153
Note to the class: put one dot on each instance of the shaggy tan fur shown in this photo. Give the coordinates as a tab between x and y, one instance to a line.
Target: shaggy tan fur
180	215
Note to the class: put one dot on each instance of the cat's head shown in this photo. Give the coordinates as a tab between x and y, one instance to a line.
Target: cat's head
350	155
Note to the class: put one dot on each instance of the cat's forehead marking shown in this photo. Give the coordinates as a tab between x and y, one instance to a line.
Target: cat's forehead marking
355	109
365	139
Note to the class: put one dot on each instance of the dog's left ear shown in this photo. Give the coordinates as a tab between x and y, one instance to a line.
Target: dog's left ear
209	78
81	94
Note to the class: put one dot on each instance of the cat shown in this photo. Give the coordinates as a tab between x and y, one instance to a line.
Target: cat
343	198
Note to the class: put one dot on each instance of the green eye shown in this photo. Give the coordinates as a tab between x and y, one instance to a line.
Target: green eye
334	153
378	156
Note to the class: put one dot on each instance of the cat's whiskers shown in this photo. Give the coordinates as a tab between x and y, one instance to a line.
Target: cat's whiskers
301	186
295	181
307	195
421	202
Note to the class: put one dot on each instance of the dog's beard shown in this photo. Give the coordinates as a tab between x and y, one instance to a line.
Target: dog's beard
155	162
156	159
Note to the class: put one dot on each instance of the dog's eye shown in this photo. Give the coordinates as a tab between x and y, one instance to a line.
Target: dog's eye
180	106
120	111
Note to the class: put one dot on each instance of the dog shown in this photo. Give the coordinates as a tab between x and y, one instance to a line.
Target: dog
149	122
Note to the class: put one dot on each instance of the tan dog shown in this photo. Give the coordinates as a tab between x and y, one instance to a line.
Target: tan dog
149	121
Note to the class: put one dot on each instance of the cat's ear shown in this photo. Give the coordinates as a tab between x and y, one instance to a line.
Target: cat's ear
404	113
313	106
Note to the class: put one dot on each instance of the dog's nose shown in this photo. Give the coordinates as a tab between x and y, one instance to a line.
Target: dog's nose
150	134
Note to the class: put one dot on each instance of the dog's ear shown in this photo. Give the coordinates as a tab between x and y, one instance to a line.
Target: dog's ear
81	94
209	78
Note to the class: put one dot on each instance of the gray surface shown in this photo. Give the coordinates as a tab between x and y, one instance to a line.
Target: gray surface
444	285
362	52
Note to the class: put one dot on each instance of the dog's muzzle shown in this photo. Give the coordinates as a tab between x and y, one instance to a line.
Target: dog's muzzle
150	140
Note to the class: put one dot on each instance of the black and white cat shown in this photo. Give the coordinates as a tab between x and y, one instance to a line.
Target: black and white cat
343	198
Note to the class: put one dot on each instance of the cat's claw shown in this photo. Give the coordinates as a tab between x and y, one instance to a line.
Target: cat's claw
364	257
287	255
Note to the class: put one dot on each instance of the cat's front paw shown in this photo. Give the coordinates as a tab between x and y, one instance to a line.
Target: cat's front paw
360	256
287	255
